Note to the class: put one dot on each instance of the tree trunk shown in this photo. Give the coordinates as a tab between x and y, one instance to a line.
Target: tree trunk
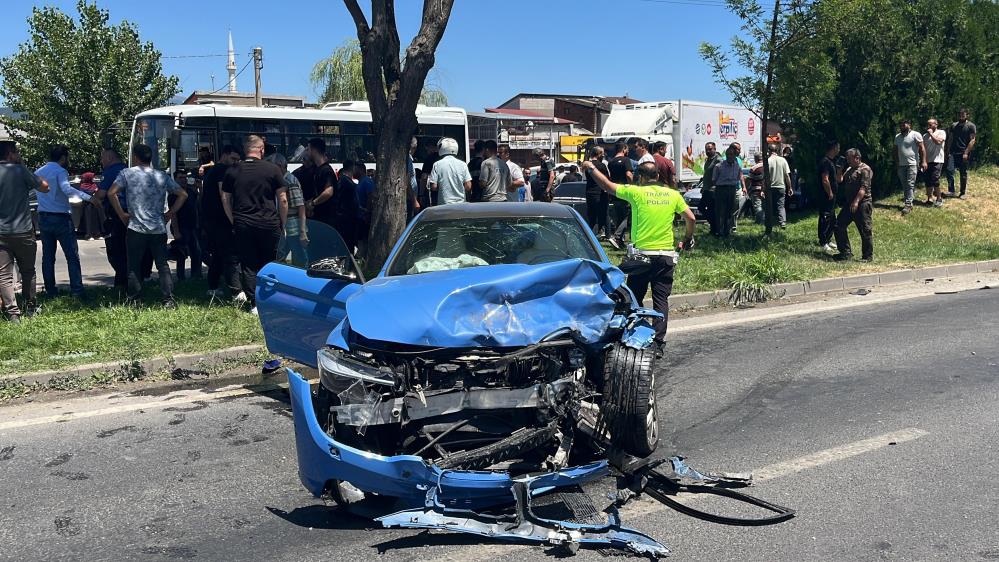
388	219
393	93
765	110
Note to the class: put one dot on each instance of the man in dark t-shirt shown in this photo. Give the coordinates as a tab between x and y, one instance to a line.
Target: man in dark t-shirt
249	191
621	173
318	188
828	192
961	141
223	264
596	197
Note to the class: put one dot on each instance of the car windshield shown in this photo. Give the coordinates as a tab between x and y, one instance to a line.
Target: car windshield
441	245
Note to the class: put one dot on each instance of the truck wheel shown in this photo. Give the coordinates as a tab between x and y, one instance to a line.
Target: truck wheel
629	399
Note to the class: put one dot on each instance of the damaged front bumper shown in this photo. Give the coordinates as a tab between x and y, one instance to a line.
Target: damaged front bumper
322	459
445	499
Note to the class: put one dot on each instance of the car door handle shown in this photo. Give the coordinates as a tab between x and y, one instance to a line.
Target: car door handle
269	280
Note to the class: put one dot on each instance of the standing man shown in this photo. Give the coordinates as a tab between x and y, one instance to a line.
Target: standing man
654	207
185	225
664	166
829	184
729	182
756	188
56	222
17	232
494	175
933	141
450	178
572	175
146	190
114	229
779	188
475	168
347	206
542	188
249	192
596	197
516	174
621	173
296	230
962	138
642	151
858	208
910	158
707	204
223	266
321	206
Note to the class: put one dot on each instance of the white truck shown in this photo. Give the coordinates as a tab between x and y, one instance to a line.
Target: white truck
685	126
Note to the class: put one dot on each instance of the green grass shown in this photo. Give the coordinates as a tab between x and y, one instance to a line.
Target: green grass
963	230
69	333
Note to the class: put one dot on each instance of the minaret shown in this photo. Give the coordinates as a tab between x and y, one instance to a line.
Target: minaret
231	67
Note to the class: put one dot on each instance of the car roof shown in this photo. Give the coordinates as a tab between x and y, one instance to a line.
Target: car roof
496	210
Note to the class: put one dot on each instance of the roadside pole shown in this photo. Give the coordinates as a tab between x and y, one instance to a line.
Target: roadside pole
258	63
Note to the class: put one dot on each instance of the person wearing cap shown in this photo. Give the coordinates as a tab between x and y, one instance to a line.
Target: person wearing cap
449	178
653	208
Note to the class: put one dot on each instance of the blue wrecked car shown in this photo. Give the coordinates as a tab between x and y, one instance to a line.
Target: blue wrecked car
492	359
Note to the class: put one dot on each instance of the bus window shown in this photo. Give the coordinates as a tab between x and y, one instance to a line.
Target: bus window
155	132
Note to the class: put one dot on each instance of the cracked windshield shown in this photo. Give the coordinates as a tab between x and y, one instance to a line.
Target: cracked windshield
441	245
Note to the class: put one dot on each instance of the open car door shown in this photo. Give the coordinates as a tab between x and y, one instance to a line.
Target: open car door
301	297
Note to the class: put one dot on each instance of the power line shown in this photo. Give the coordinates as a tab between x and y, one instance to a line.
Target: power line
705	3
192	56
230	81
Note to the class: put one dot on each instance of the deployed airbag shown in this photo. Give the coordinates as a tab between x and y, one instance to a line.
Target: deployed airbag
507	305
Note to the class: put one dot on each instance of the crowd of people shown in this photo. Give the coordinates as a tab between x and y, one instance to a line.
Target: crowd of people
231	212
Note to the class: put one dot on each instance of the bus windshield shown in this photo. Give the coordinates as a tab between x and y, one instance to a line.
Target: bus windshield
155	132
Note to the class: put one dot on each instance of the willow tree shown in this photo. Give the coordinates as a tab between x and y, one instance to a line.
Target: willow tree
338	77
393	89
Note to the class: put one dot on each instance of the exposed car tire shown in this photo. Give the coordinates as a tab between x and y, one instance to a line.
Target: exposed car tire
629	399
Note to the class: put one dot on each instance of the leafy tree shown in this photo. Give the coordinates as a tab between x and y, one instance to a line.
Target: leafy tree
393	88
74	78
339	78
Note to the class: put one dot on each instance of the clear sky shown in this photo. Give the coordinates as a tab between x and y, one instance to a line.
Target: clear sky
492	49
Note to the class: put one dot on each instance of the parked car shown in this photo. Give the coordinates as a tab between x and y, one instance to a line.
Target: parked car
497	346
693	199
571	194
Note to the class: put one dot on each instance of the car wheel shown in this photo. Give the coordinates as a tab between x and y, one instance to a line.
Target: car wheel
629	399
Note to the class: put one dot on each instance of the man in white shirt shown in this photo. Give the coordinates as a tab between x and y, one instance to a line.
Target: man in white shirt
933	142
450	177
910	157
642	151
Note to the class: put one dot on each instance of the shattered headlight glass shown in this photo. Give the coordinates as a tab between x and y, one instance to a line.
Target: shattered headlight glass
334	363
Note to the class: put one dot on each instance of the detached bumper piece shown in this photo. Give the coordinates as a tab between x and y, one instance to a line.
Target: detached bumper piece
522	525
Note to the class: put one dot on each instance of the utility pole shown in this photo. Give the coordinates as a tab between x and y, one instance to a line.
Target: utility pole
258	63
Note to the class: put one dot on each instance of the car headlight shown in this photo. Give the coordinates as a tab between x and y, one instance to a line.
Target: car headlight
336	364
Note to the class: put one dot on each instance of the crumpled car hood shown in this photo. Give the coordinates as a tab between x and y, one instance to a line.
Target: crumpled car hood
510	305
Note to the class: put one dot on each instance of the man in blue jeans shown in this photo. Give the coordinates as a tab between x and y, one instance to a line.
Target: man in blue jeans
56	223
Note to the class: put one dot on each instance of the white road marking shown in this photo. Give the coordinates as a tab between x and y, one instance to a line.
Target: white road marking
645	506
160	402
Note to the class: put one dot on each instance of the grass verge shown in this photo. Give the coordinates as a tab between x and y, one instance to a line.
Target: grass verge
68	332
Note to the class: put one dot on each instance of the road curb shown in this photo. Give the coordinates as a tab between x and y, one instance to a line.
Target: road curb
838	284
193	364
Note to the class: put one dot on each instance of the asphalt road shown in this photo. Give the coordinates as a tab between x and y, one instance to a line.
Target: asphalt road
93	264
878	424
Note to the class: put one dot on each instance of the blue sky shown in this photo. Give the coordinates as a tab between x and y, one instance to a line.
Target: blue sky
490	51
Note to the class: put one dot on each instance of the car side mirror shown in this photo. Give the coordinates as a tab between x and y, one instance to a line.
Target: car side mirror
339	267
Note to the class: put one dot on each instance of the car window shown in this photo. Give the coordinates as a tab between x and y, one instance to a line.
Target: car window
323	242
440	245
575	189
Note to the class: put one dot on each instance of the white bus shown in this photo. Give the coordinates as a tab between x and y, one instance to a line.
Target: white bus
177	133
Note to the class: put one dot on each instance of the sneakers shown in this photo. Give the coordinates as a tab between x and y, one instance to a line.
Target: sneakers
240	298
14	319
615	241
254	312
830	248
906	210
31	309
842	257
938	203
170	304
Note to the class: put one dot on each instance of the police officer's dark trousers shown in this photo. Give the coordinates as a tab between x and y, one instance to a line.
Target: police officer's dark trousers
827	220
660	278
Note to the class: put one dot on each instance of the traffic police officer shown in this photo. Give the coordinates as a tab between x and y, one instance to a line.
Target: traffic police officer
653	208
